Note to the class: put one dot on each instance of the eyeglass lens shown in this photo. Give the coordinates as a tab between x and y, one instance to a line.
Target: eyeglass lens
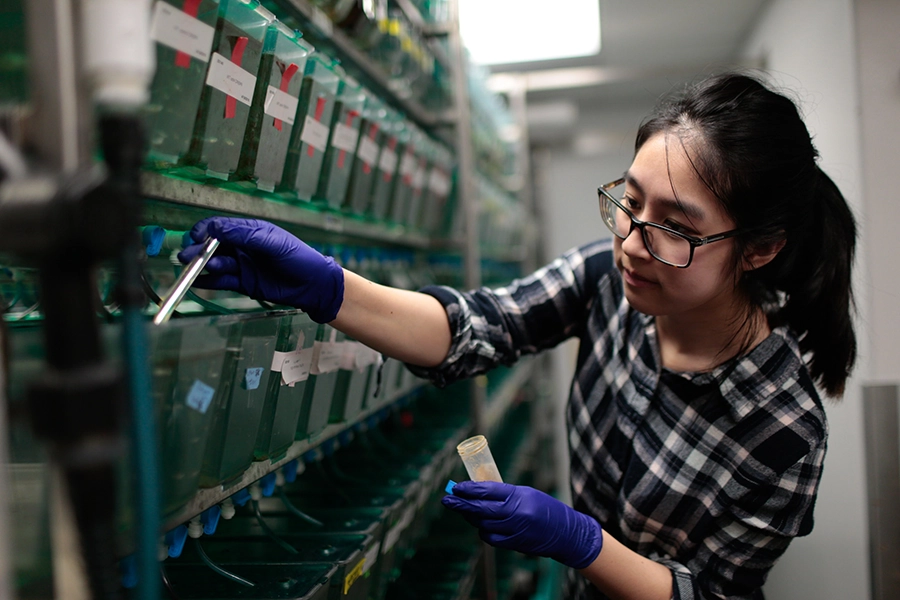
662	244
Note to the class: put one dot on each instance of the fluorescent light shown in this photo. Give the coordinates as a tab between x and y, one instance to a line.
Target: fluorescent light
511	31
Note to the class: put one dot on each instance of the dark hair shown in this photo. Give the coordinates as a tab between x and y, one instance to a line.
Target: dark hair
754	152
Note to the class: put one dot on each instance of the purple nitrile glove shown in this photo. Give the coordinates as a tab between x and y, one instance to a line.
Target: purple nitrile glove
266	262
527	520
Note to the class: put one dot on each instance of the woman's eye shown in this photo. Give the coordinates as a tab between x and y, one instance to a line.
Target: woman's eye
676	227
632	204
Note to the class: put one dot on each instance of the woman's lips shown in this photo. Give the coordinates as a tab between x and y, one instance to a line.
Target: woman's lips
635	280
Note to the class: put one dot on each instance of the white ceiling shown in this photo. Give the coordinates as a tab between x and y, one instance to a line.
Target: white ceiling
647	47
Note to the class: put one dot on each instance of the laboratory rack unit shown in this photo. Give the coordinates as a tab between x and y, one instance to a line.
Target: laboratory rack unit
264	419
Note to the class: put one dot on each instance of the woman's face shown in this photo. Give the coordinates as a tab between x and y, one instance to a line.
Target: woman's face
665	189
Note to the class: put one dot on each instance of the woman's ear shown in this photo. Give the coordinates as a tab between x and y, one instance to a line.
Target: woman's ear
762	254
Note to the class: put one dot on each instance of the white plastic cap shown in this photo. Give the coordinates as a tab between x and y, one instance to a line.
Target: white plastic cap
227	508
195	528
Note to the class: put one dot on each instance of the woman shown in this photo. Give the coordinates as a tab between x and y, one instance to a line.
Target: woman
696	431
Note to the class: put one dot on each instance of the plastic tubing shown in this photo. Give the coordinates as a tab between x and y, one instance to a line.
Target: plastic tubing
265	527
220	570
296	511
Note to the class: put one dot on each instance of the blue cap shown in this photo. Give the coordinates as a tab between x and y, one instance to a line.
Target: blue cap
267	484
240	497
152	237
210	519
290	470
128	572
175	540
449	487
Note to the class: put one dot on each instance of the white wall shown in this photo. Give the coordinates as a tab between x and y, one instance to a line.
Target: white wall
809	45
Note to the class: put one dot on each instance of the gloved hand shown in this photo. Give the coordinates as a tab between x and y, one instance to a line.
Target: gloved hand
527	520
265	262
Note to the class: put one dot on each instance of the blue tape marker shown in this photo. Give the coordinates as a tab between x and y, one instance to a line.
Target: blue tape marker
252	377
200	396
450	485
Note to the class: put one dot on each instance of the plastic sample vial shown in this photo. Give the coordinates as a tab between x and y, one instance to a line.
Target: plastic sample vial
476	456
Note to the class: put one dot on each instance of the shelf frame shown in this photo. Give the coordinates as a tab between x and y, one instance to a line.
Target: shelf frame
163	193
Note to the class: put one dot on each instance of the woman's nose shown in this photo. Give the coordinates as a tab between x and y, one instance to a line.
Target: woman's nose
633	244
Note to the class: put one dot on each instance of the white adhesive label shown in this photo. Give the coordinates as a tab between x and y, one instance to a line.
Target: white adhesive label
439	183
419	179
177	29
408	165
366	357
388	161
315	134
230	79
348	355
345	138
368	150
394	532
327	357
372	555
281	105
297	366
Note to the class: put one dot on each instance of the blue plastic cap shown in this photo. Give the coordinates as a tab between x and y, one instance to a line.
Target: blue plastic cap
345	437
175	540
267	484
290	470
152	237
450	485
210	519
328	447
310	456
128	572
241	497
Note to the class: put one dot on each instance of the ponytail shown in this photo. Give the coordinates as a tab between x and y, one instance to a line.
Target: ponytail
817	285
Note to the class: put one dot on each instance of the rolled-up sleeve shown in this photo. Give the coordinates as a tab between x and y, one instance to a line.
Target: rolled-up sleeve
492	327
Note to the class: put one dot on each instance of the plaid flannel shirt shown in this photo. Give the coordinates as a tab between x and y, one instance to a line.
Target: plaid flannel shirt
711	474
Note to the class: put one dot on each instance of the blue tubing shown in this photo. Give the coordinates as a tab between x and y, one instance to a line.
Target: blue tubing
143	434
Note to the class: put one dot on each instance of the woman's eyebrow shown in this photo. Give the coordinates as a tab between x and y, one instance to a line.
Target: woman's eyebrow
691	211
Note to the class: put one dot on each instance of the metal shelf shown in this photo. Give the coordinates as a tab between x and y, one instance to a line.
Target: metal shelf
208	497
363	67
198	199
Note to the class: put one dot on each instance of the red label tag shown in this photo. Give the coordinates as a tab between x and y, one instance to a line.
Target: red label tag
237	55
285	82
192	9
320	108
392	144
373	131
343	153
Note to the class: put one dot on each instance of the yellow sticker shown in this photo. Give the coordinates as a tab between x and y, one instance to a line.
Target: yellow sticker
353	575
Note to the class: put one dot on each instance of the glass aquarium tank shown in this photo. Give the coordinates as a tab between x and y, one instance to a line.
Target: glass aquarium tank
228	94
274	110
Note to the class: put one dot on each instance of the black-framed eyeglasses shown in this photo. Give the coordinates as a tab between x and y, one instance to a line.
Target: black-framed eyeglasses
666	245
